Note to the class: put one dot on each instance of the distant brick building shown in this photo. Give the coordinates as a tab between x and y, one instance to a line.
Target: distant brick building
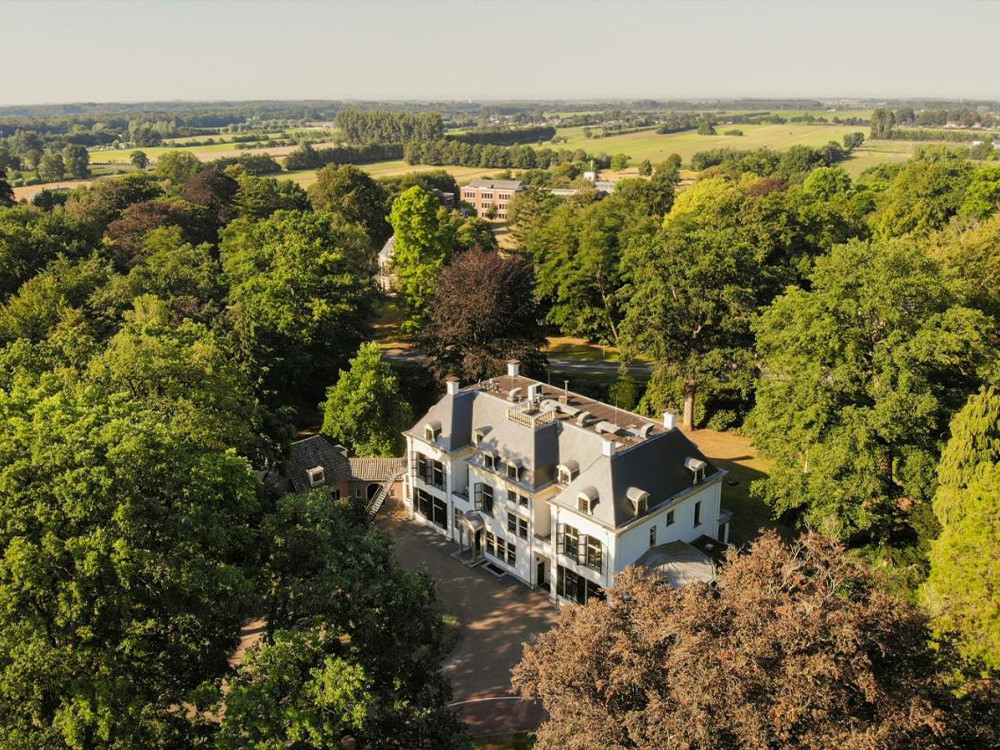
490	198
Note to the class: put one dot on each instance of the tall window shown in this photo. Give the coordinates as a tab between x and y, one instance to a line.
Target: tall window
697	513
670	518
595	553
568	541
483	498
652	536
517	525
429	471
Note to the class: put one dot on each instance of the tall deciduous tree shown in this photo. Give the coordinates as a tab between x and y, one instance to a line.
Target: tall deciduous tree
122	584
961	590
425	240
176	168
353	636
483	313
693	293
139	160
863	372
364	409
799	647
300	299
350	195
77	161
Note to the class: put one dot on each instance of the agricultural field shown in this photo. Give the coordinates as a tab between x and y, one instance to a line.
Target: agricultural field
648	144
205	153
392	169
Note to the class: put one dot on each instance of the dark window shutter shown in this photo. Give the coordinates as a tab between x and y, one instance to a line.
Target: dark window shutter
477	496
581	549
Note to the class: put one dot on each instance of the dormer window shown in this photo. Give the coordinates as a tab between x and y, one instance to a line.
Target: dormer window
432	431
587	500
639	499
513	471
317	475
567	472
481	434
697	467
490	461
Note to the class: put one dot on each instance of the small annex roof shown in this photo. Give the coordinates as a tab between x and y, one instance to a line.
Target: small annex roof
376	468
311	452
679	563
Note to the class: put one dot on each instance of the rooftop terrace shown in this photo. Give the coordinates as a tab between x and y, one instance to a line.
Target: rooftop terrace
535	404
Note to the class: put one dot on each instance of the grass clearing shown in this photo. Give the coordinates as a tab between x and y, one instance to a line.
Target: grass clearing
737	455
516	741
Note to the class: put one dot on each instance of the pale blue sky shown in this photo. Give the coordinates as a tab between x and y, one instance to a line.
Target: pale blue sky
77	50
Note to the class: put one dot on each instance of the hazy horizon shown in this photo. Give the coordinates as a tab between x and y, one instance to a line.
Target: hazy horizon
441	50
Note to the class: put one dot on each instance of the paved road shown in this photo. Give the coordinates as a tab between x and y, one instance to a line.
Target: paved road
496	616
557	365
597	367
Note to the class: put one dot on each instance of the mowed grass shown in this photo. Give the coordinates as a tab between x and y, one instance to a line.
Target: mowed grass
649	144
655	147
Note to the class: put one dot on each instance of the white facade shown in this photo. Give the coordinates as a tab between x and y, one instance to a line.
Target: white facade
532	525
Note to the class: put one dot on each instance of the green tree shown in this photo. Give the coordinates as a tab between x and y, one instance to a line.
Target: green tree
645	168
922	198
106	199
259	197
30	239
982	197
122	585
77	161
364	409
295	691
352	197
51	168
331	578
864	371
882	123
620	162
139	160
176	168
853	140
186	370
425	240
965	559
6	191
186	277
692	294
300	297
706	128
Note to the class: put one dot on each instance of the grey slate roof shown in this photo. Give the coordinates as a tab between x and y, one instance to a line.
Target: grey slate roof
653	462
315	451
679	563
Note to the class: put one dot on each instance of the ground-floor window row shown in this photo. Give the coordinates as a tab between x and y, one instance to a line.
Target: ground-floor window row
432	508
501	549
576	588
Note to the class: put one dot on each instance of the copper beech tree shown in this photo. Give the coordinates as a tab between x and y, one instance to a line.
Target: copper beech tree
799	646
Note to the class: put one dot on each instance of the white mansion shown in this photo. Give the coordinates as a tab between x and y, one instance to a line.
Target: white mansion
561	491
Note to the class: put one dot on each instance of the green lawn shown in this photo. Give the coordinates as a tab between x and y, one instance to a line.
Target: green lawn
518	741
394	168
